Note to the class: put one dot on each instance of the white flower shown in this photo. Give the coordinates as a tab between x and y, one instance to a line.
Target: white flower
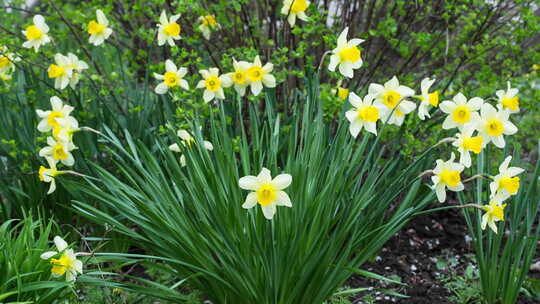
99	30
173	77
508	100
58	151
266	191
61	71
208	24
36	34
393	96
67	263
49	118
214	84
346	55
168	29
427	100
47	175
187	141
447	174
494	213
7	60
460	111
364	115
293	9
77	66
506	183
465	143
493	124
259	75
63	132
239	77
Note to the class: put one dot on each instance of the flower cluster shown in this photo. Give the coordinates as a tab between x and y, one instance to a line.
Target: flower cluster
66	262
66	70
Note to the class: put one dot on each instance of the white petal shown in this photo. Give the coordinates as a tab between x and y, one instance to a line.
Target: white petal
441	192
60	243
282	181
251	200
264	176
161	88
47	255
249	183
283	199
269	211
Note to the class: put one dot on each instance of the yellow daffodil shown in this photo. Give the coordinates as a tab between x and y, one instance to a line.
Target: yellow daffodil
47	175
427	99
240	77
295	8
506	183
173	77
343	93
36	34
208	24
508	100
259	75
213	84
460	111
346	55
364	114
493	125
394	97
494	213
266	192
49	118
66	263
168	29
187	141
58	151
7	60
99	30
447	174
466	143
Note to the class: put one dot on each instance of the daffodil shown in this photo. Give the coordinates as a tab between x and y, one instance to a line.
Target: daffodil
394	97
259	75
460	111
77	67
99	30
173	77
364	115
213	84
427	99
61	71
343	93
493	125
66	263
168	29
208	24
64	131
266	191
7	60
47	175
506	182
346	55
187	141
58	151
466	143
293	9
240	77
494	213
447	174
36	34
508	100
49	118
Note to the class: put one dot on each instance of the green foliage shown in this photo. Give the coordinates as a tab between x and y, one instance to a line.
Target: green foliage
466	288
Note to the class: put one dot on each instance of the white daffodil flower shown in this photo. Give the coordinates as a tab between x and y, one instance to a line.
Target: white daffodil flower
393	96
187	141
494	213
64	131
99	30
47	175
168	29
447	174
266	192
36	34
493	125
208	24
7	60
295	8
508	100
77	67
58	151
259	75
460	111
506	183
364	115
346	55
239	77
173	77
67	262
427	100
49	118
466	143
213	84
61	71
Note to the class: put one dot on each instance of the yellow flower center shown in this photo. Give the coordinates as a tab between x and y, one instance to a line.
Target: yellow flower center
494	127
511	103
461	114
343	93
496	211
368	113
299	6
450	178
33	33
59	152
510	184
209	20
266	194
56	71
473	144
63	264
172	29
171	79
95	28
391	98
255	73
434	98
213	83
4	61
350	54
51	118
239	77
